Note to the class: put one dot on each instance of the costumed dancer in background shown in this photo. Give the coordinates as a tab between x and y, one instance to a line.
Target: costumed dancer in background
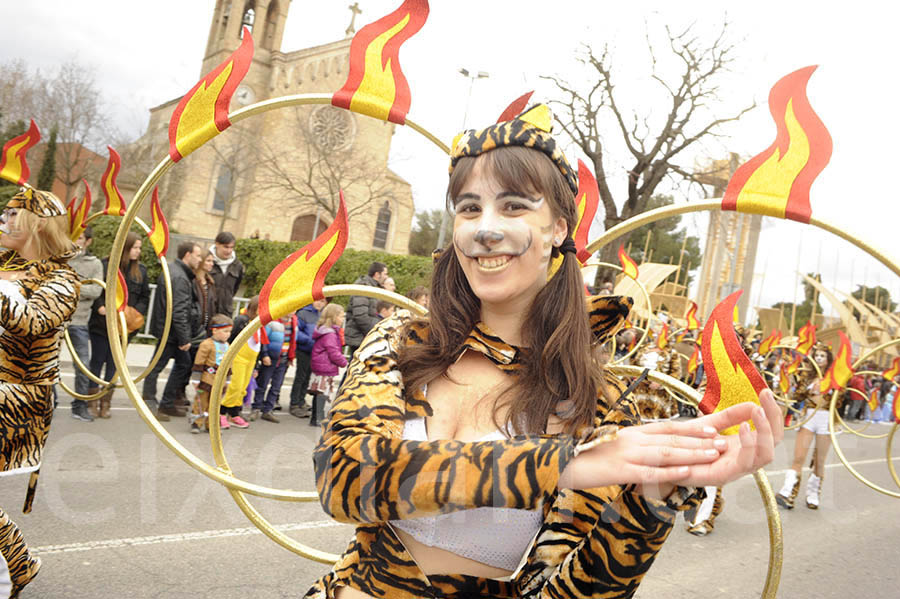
816	426
653	401
38	296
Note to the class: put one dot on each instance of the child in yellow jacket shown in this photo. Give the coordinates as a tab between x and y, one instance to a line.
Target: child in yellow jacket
206	363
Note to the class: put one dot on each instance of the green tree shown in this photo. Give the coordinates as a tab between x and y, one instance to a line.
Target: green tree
424	237
665	242
48	167
877	296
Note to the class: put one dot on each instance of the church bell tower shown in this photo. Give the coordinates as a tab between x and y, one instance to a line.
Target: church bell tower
264	18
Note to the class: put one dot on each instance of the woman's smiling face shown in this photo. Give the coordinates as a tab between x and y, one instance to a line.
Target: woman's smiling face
503	239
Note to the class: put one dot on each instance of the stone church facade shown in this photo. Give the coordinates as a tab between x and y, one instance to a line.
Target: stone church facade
276	174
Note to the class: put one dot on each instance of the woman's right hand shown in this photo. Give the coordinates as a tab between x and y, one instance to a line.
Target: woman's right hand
655	453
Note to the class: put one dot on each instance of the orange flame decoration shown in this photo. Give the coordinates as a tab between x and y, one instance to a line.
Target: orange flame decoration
121	292
873	400
203	112
841	368
784	380
586	202
13	166
806	338
298	280
893	371
692	323
375	85
629	266
78	213
795	365
897	405
115	203
662	340
731	376
515	108
769	342
694	360
159	230
777	181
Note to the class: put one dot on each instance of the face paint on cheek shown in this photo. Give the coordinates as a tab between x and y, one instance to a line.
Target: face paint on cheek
492	234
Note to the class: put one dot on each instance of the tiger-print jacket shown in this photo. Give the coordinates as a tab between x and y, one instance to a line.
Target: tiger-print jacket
654	404
593	543
29	345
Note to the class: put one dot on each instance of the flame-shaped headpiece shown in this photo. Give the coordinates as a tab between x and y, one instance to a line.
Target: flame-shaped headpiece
515	108
78	213
299	279
893	371
662	339
731	376
121	291
159	228
769	342
691	317
794	366
376	85
586	201
115	203
629	266
203	112
841	368
873	399
777	181
13	166
806	338
694	360
784	380
897	405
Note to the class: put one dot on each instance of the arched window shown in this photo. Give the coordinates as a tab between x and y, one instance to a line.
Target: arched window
305	228
382	226
248	18
224	190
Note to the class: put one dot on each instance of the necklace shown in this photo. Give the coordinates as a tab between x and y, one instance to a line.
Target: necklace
15	267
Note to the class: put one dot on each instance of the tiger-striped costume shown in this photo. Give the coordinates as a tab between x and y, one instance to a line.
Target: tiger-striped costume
29	353
597	542
654	404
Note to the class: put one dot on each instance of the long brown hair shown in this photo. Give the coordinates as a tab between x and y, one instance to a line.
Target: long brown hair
129	267
558	364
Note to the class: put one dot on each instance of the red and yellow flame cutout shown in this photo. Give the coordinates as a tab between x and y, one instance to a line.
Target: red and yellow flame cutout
841	368
784	380
769	342
629	266
299	279
694	360
777	181
731	376
795	365
897	405
691	317
203	112
13	166
121	292
873	400
159	228
78	213
515	108
376	85
806	338
662	340
115	203
586	201
893	371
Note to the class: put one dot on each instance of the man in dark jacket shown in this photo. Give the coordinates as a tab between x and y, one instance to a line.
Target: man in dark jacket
361	315
307	317
186	325
228	272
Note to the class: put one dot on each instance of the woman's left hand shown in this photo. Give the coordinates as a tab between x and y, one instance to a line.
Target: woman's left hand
749	450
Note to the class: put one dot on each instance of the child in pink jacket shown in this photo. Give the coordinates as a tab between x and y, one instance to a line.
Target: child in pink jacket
326	360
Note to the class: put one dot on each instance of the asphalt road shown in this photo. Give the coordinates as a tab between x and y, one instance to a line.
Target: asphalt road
119	515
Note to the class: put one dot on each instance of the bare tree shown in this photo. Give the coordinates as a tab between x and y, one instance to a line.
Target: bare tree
655	143
321	160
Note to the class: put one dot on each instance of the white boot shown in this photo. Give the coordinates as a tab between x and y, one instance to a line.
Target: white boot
813	487
788	492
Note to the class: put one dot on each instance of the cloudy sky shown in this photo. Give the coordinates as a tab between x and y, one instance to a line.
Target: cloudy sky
150	52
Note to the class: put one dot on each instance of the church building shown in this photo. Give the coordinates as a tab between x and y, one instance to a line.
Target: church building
277	175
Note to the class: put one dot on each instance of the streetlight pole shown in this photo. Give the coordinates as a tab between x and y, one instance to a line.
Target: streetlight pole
471	77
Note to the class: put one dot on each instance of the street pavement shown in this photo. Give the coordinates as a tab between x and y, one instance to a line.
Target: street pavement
117	514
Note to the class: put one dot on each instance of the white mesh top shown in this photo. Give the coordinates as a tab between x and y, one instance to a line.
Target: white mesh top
494	536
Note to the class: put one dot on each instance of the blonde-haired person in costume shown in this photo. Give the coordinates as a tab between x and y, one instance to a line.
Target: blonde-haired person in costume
653	401
38	296
815	427
476	449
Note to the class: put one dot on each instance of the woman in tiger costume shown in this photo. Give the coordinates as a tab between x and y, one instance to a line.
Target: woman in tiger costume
481	451
38	295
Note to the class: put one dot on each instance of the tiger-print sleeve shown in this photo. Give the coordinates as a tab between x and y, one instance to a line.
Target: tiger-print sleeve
365	472
49	307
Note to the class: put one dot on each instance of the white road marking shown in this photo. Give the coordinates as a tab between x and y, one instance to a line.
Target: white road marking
175	538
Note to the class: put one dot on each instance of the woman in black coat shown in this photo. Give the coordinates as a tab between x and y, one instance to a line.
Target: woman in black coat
138	284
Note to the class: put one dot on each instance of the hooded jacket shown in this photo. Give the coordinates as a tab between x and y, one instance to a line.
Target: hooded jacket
228	275
361	314
326	358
